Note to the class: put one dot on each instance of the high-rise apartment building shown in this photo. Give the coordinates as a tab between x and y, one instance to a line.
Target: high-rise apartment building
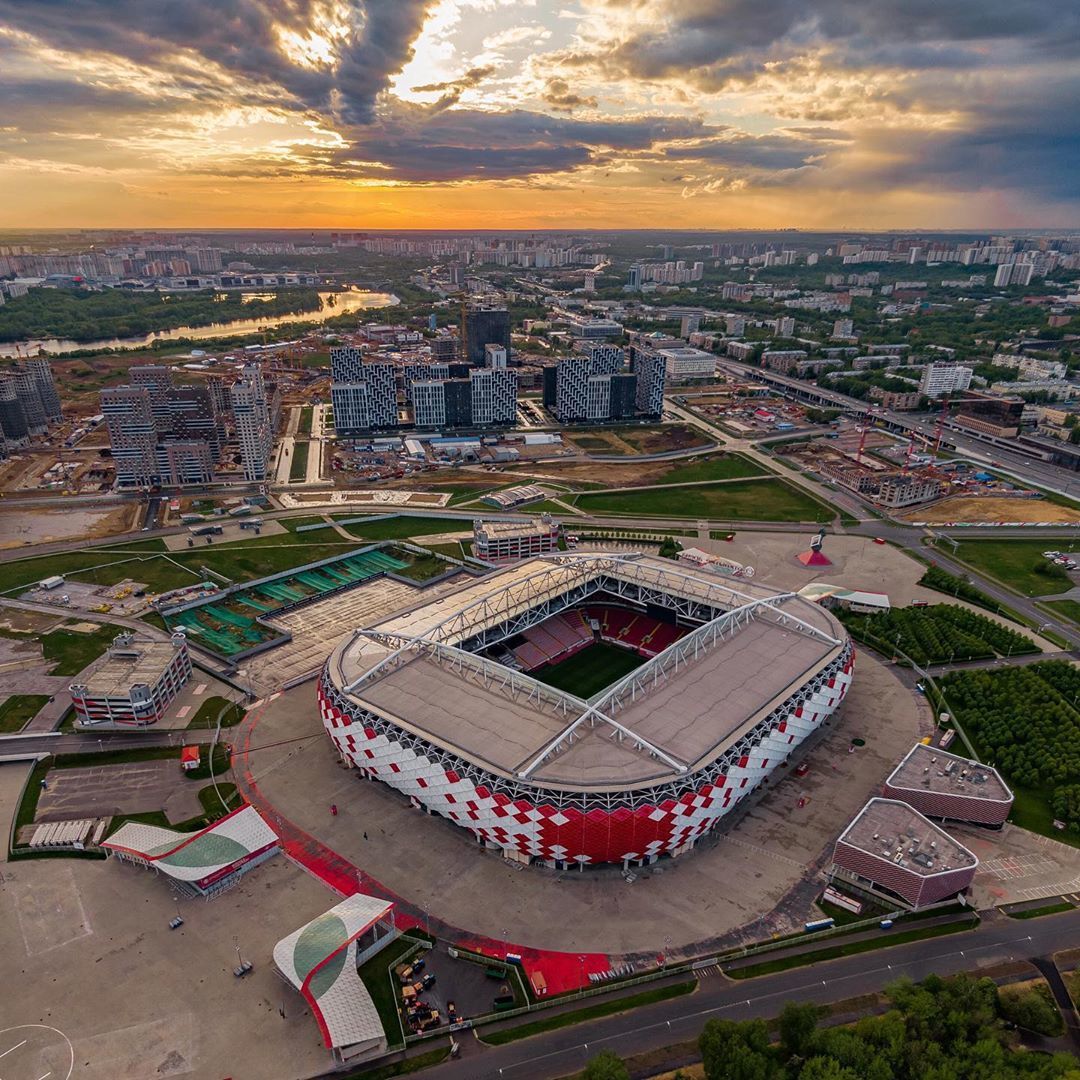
251	415
133	435
156	379
39	368
939	379
364	394
650	367
591	386
484	326
493	396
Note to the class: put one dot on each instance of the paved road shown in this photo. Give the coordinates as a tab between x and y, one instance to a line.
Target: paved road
559	1053
86	743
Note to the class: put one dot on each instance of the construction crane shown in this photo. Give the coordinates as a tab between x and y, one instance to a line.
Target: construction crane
940	430
868	421
910	451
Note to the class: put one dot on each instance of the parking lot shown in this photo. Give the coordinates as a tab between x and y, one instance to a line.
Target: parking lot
131	788
732	880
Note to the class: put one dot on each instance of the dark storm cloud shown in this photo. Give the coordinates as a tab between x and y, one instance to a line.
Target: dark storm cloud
711	42
461	144
240	36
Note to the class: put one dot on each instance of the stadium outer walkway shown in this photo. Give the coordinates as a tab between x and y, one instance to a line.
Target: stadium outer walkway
562	971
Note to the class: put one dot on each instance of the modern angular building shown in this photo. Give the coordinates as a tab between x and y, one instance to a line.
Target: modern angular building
485	326
364	395
592	386
893	852
133	435
950	788
254	428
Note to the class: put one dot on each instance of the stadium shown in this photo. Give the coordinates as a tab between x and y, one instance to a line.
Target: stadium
586	709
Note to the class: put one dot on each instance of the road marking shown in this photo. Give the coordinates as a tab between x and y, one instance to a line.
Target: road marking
15	1047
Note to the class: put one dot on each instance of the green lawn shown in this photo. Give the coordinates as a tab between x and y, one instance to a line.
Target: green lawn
589	1012
1039	912
147	562
424	567
71	651
382	986
750	500
589	671
304	426
298	468
15	711
402	527
832	952
1018	564
717	467
206	717
1065	609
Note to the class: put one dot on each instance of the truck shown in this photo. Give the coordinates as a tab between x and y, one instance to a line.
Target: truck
206	530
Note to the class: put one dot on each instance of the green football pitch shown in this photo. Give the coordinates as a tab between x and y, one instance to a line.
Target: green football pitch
590	670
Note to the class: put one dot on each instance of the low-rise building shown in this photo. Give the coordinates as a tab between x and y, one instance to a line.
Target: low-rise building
893	852
946	786
507	541
134	683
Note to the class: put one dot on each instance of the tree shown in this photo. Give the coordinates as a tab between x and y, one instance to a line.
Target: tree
1032	1010
733	1050
607	1065
798	1025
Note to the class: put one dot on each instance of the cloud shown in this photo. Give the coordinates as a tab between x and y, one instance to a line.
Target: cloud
334	59
558	95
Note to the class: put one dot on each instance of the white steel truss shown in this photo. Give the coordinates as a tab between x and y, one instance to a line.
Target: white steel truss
599	709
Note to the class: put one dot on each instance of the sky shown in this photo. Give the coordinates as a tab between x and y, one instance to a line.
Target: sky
393	114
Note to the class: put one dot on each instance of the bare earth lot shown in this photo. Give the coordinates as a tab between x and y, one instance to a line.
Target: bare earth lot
990	509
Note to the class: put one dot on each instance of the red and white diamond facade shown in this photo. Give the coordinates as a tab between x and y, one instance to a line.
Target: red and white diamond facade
433	702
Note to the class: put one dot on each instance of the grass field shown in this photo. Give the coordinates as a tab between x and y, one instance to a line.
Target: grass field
589	671
590	1012
750	500
1065	609
146	562
401	528
303	427
722	467
207	715
298	468
1018	564
15	711
71	651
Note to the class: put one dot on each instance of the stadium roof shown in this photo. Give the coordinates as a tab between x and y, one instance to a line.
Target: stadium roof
672	715
319	959
892	830
195	856
926	768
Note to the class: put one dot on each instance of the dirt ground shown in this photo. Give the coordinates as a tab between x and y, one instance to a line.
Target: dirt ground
637	440
19	527
988	509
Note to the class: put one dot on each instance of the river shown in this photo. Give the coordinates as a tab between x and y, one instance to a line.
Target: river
345	301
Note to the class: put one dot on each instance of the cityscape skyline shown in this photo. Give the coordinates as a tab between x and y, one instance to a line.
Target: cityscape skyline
595	114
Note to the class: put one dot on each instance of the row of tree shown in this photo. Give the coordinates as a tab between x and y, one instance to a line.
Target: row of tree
85	315
955	1029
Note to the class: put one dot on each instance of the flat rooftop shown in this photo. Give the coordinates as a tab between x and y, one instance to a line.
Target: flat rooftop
510	530
895	832
512	726
925	768
126	666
